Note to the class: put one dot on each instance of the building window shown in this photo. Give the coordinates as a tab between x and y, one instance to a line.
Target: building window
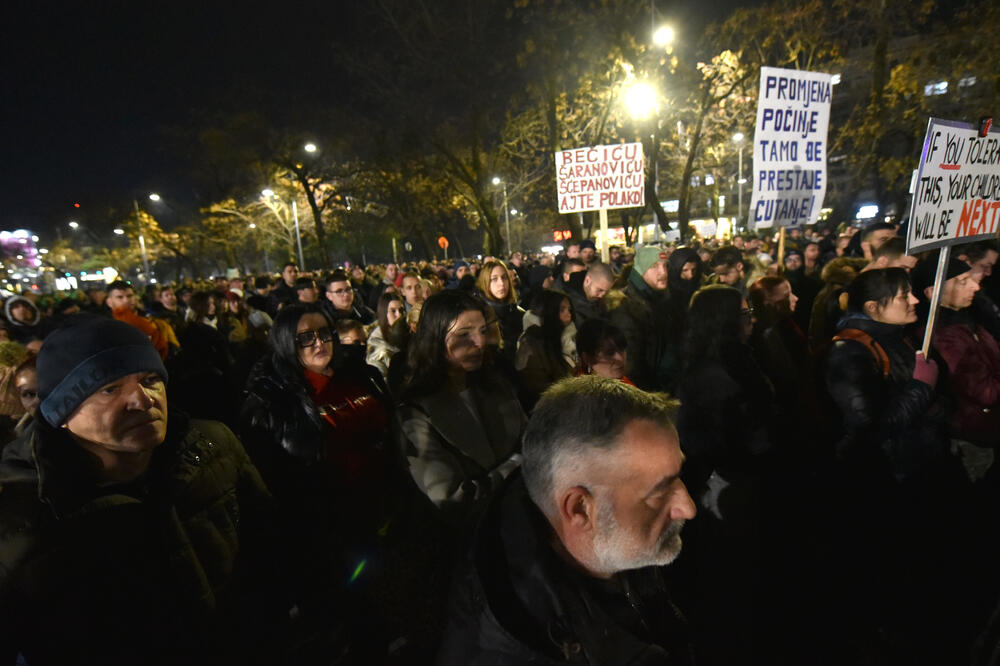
695	181
936	88
709	179
967	82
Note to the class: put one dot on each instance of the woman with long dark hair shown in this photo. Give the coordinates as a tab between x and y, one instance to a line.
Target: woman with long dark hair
541	359
723	422
460	421
388	336
783	350
315	422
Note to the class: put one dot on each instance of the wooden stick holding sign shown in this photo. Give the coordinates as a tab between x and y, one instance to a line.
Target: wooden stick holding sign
957	198
605	250
781	250
935	299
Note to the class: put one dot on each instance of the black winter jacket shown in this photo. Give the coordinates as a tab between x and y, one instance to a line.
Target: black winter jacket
516	602
891	422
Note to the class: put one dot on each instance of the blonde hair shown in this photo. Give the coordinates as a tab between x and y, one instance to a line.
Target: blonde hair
483	281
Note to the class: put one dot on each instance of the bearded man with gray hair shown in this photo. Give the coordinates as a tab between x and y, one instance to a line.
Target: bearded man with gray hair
565	566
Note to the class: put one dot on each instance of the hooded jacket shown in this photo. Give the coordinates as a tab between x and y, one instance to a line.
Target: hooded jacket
23	332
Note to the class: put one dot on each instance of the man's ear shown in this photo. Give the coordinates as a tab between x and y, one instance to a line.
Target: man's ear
577	509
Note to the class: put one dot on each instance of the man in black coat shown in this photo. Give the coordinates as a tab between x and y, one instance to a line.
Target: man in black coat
566	566
341	302
586	289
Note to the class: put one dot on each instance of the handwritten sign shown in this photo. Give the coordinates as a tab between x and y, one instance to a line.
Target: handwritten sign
957	194
790	145
600	178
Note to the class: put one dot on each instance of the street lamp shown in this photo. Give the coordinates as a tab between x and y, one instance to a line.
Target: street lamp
153	196
640	98
73	224
506	213
310	147
738	139
663	35
119	231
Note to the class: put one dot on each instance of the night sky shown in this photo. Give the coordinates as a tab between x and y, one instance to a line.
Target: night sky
90	90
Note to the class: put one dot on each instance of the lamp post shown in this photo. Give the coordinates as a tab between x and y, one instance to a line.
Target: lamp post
268	193
738	139
506	213
142	239
641	100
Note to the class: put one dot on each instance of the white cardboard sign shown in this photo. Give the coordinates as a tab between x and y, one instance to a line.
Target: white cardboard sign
601	178
790	147
957	194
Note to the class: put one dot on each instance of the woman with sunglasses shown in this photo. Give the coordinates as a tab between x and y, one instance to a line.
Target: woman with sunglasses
314	423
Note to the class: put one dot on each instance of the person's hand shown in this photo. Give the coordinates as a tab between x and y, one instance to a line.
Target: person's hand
925	370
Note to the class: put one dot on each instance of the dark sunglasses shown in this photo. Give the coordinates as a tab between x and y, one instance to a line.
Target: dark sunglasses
308	338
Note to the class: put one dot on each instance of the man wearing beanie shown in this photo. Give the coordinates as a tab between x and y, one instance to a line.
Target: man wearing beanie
128	534
641	315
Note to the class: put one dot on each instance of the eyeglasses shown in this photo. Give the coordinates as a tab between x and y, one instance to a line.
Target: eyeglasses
308	338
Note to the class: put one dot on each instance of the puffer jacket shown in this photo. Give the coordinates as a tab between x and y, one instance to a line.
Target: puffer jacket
179	565
892	422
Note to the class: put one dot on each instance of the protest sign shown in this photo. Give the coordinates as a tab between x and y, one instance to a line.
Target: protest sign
790	145
957	195
601	178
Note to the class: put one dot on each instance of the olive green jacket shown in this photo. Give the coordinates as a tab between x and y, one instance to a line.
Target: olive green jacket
168	568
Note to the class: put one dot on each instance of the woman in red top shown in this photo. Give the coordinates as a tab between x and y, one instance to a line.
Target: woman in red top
314	422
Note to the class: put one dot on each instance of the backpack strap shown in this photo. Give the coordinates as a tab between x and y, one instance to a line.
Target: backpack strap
856	334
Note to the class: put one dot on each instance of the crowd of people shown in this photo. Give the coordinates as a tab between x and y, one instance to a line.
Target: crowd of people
490	461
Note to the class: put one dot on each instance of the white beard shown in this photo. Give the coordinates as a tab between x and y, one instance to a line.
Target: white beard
615	550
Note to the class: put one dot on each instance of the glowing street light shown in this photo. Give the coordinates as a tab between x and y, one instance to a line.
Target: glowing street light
73	224
496	180
309	147
119	231
640	99
153	196
663	35
267	192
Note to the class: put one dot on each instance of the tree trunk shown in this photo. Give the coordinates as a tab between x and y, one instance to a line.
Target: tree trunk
324	251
